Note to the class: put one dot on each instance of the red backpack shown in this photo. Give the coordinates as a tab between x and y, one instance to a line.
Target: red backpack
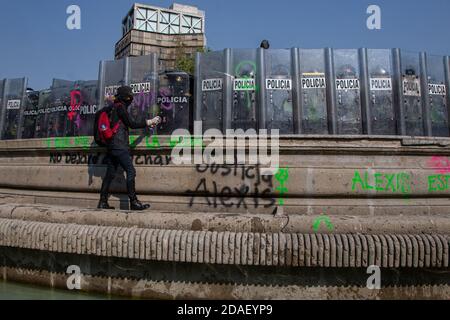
103	133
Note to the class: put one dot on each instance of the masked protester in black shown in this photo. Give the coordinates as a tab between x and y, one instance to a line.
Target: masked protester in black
119	150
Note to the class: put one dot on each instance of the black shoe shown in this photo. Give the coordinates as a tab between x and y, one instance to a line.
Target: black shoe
136	205
104	205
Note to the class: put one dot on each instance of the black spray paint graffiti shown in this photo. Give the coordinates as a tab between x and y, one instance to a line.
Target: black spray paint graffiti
74	158
91	159
255	189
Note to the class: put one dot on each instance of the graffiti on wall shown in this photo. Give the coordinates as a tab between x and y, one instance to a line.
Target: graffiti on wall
68	142
439	164
388	182
401	182
282	177
254	191
150	142
75	102
438	182
78	158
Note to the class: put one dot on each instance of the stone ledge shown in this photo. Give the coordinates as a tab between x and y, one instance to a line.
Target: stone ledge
148	289
221	222
231	248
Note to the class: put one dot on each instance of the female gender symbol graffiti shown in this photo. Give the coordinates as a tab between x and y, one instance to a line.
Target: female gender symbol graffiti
237	73
164	93
143	100
252	64
75	102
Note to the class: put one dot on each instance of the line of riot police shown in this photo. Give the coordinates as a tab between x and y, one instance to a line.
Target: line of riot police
297	91
68	108
324	91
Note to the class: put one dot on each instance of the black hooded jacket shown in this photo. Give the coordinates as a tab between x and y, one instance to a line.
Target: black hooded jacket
121	140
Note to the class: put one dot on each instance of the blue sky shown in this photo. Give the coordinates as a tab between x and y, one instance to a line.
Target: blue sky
37	44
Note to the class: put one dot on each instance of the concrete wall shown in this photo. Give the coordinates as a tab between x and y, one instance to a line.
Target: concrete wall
173	256
227	231
331	175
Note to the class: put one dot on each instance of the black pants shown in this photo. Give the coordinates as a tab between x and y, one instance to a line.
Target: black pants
114	158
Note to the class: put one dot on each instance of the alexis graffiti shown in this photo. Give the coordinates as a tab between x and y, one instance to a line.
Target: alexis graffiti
401	182
255	189
395	182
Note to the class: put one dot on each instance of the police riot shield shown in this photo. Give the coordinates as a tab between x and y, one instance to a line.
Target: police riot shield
244	89
2	107
41	118
348	91
210	77
380	91
412	94
112	75
30	114
142	77
437	96
59	114
174	102
82	109
2	83
278	88
14	95
313	88
140	73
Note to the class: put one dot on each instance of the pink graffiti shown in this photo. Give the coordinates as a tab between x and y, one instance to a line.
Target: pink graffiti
164	92
75	102
441	164
78	121
143	100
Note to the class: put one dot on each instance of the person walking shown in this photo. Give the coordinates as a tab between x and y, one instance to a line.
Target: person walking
118	149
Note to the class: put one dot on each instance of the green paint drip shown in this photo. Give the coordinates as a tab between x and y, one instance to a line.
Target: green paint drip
326	220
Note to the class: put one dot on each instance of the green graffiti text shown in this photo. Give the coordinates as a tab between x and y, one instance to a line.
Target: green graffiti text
388	182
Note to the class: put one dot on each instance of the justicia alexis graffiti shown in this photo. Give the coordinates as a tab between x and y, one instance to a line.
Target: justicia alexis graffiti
254	191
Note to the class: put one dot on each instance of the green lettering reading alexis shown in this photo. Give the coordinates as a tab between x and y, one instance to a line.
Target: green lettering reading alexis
387	182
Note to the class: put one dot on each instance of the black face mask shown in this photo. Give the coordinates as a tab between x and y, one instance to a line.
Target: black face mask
127	101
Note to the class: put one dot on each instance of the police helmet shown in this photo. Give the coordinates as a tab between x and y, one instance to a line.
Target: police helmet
410	71
346	71
380	71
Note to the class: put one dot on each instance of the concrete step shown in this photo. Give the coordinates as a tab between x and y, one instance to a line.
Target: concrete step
299	222
231	256
248	205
